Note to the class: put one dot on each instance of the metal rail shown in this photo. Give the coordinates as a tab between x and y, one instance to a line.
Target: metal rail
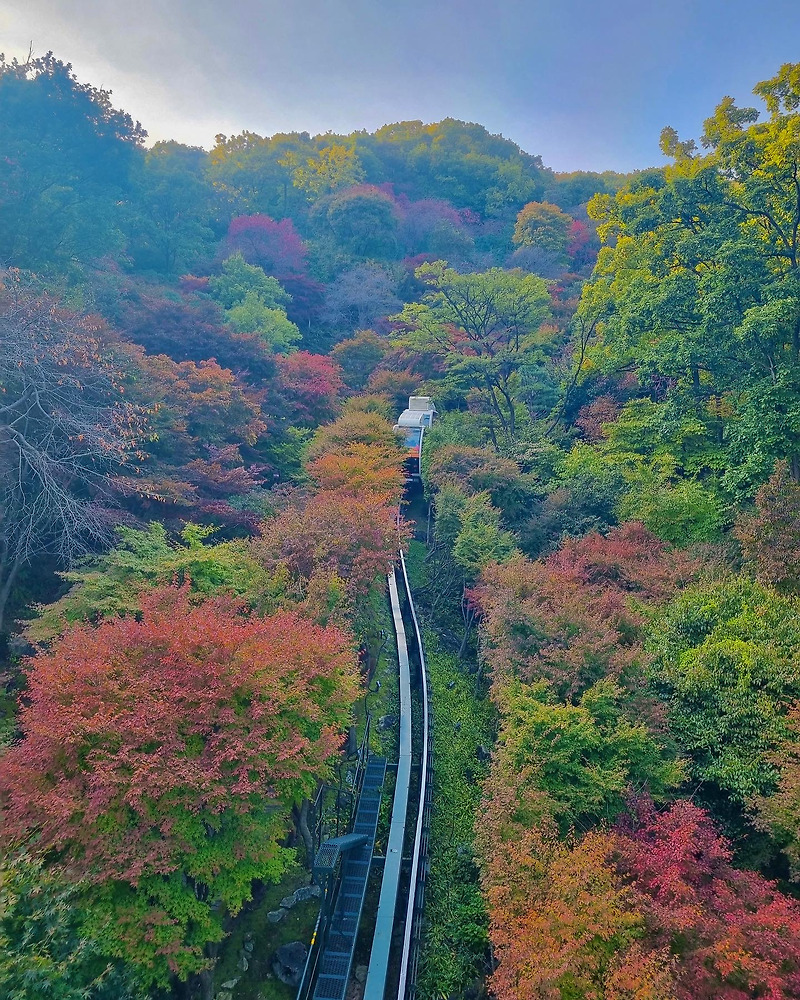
419	857
331	968
375	985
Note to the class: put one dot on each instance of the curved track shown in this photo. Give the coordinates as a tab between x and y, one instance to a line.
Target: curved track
394	951
419	856
396	913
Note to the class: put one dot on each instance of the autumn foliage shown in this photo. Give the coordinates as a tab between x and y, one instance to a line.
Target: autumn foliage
160	754
311	384
573	618
188	709
354	537
770	537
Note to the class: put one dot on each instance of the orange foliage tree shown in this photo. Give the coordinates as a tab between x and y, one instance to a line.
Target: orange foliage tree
354	537
734	934
563	923
570	619
160	757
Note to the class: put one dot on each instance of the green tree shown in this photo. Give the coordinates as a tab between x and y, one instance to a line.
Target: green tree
483	327
111	584
702	282
172	210
364	220
725	658
65	172
544	226
254	303
585	757
46	949
331	168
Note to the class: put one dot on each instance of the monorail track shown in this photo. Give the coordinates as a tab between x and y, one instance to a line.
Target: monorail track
396	933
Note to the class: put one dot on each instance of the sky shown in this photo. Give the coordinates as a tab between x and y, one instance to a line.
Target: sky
586	84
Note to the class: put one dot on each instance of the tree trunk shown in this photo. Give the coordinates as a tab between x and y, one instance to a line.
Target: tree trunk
206	978
305	831
8	574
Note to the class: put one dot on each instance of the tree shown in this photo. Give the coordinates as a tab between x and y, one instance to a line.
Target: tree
359	356
779	812
202	415
563	923
191	328
578	935
331	168
545	227
312	385
65	428
361	298
364	220
254	174
353	428
478	470
170	226
583	756
362	470
45	948
770	537
111	584
273	246
734	934
482	327
254	303
701	283
66	167
576	617
433	226
160	756
354	537
725	664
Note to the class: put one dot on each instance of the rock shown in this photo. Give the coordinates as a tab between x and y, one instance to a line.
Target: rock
307	892
224	995
483	755
244	965
275	916
289	962
230	985
19	647
288	902
248	947
360	973
387	722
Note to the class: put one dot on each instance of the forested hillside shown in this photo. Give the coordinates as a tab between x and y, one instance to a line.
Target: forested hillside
202	354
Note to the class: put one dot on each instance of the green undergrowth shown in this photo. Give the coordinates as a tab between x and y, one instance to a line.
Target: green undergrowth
258	982
455	944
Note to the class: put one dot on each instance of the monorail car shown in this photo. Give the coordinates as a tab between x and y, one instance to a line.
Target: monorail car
412	424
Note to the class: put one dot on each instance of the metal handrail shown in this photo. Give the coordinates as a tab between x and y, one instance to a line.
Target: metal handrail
412	910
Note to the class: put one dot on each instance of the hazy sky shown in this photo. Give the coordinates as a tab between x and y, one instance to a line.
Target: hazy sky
588	84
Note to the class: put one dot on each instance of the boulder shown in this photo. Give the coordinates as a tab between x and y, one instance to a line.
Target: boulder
275	916
289	962
307	892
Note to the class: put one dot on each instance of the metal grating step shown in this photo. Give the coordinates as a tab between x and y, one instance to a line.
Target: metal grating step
337	955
